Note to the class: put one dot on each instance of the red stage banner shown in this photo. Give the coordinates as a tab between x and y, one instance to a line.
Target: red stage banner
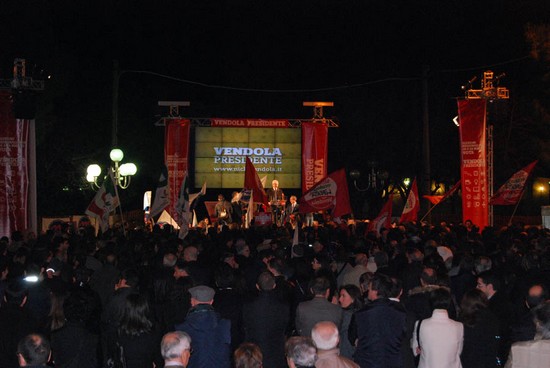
473	152
176	155
249	123
14	181
314	154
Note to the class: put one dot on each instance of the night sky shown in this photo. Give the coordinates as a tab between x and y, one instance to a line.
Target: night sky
261	59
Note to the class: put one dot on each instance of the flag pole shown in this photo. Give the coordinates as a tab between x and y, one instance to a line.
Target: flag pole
429	211
516	207
120	208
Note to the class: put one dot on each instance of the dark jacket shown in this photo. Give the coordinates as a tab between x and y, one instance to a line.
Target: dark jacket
210	336
480	344
379	328
265	321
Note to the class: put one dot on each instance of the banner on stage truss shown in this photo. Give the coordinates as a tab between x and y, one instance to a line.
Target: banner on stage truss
314	154
473	163
176	156
14	180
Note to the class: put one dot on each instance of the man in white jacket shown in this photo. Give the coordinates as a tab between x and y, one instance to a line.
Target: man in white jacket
438	339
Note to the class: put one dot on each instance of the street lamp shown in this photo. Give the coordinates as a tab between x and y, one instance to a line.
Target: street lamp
122	174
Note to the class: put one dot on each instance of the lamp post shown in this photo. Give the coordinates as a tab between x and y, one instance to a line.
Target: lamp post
122	173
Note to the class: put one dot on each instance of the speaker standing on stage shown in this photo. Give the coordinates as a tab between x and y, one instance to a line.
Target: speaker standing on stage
275	196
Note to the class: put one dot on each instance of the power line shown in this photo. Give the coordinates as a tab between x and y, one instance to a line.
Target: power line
324	89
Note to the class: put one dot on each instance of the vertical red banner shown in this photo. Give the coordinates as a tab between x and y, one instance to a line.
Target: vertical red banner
176	156
314	154
473	162
14	181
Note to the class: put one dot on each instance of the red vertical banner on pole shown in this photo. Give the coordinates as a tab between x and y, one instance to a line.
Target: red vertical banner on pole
14	181
473	163
176	155
314	154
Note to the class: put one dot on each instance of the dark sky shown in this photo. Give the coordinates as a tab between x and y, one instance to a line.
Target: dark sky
366	56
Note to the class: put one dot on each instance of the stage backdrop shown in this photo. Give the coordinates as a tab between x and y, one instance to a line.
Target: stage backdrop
221	150
14	182
176	154
473	152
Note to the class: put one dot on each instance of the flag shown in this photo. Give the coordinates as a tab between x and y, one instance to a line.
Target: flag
410	212
195	222
252	181
384	217
329	193
437	199
510	193
249	211
182	208
162	194
194	196
295	242
263	179
105	201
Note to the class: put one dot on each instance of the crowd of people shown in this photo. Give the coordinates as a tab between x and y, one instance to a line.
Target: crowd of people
415	295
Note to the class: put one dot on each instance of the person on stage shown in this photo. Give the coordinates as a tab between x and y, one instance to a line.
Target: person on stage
223	211
275	197
292	211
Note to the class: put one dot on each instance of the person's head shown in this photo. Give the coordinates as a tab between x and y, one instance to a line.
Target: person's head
202	294
349	297
275	184
536	295
180	269
320	286
361	258
380	286
190	253
221	198
176	347
542	319
428	276
293	199
300	352
33	350
472	301
266	281
325	335
128	278
489	283
440	298
364	281
248	355
482	264
242	249
169	260
134	320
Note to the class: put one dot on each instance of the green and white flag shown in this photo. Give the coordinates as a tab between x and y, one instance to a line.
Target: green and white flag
162	194
105	201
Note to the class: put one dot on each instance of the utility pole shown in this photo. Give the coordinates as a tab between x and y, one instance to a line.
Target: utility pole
426	164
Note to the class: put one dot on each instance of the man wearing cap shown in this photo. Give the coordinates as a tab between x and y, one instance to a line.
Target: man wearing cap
210	334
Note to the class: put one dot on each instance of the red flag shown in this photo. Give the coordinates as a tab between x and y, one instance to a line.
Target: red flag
410	212
437	199
384	217
331	192
252	181
511	191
